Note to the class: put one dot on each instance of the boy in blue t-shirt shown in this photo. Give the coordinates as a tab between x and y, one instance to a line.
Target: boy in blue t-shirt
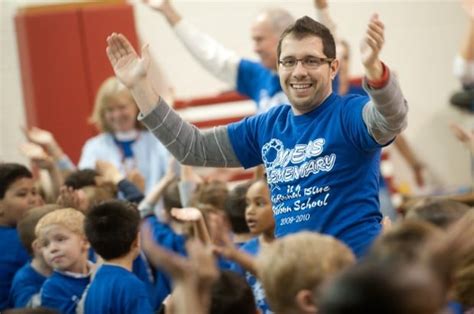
29	279
17	195
65	248
112	228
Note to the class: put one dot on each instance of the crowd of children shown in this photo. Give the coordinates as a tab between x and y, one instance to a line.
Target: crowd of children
110	239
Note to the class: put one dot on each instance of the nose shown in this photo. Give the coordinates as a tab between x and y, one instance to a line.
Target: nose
299	71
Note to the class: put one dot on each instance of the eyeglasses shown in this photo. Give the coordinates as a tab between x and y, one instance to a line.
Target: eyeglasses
310	63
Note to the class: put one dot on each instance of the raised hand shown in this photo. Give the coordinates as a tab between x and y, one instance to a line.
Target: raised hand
165	8
128	66
468	6
320	4
39	136
187	214
464	135
37	155
371	46
108	171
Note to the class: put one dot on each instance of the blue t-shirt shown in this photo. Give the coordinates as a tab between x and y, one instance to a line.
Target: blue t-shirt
63	292
167	238
252	247
115	290
26	283
260	84
13	257
322	168
143	271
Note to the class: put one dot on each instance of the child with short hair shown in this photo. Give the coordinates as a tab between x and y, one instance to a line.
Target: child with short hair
113	231
17	195
65	249
293	269
259	217
29	279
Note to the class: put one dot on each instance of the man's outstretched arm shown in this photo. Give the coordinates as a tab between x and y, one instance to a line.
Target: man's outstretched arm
186	142
386	114
215	58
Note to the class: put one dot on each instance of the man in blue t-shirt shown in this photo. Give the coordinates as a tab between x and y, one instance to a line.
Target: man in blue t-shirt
321	154
256	80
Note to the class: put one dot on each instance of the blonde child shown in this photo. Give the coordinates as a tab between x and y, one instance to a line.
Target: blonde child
65	249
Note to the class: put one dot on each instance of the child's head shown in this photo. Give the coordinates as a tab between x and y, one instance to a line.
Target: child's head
211	193
235	206
293	268
231	294
405	242
81	178
112	229
26	226
383	288
61	235
258	212
439	212
17	193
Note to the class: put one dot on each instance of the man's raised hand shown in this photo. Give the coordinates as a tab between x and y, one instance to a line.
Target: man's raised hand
371	46
129	68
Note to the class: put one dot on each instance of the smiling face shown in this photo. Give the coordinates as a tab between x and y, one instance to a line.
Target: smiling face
306	88
120	113
20	196
63	249
259	213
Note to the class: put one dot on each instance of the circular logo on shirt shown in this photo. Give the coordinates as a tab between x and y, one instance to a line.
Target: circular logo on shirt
270	152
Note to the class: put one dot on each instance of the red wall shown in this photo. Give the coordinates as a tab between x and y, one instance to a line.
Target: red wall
63	62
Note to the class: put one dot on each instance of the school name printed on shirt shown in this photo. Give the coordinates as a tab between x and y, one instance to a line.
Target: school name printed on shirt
302	157
305	159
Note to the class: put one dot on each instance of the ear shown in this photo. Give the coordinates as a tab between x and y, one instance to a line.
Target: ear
304	301
36	246
334	66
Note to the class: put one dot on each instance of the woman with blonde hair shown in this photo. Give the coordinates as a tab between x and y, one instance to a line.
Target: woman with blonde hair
123	140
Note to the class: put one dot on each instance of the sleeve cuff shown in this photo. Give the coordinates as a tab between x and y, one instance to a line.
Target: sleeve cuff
382	81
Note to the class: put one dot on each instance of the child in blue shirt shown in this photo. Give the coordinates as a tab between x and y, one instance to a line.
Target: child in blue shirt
259	217
17	195
65	249
113	231
28	280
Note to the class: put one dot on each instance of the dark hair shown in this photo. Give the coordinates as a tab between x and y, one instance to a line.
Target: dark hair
212	193
379	288
171	196
439	212
9	173
81	178
26	226
231	294
234	207
306	26
111	228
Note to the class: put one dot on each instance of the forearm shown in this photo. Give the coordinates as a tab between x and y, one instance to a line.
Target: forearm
467	46
406	152
386	114
216	59
190	146
323	16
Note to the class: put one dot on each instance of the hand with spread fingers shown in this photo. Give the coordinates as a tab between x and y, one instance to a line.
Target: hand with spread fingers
370	48
128	66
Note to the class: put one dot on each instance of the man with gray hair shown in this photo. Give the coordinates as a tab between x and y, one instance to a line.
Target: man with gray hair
256	80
